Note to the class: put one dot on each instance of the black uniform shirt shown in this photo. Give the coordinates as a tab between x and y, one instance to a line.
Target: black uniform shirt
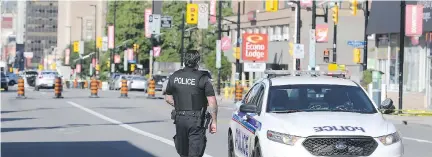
204	83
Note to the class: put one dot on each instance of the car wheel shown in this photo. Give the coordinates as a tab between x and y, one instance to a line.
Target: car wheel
230	145
257	150
11	83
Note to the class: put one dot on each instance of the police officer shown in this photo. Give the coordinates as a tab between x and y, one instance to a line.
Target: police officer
191	93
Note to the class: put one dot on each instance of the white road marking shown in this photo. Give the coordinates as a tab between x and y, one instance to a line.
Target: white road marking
126	126
417	140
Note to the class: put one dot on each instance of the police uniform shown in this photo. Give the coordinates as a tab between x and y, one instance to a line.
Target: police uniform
190	88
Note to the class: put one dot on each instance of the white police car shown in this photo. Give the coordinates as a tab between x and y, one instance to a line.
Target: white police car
308	116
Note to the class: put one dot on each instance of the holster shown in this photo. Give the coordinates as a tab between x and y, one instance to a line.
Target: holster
173	115
207	119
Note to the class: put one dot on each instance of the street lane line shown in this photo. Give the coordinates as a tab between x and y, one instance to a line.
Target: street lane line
126	126
417	140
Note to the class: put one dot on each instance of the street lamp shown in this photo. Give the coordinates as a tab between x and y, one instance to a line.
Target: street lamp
95	37
81	61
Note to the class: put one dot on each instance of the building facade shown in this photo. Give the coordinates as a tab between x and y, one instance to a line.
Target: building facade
280	27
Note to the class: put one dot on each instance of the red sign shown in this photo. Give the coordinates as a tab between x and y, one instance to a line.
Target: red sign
212	11
67	56
93	62
156	51
225	43
255	47
117	58
111	37
321	33
78	68
7	23
251	15
414	20
147	14
130	55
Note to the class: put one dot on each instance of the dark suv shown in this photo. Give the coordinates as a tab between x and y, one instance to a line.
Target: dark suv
4	82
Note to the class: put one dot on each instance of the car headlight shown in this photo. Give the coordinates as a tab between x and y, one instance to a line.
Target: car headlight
282	138
390	138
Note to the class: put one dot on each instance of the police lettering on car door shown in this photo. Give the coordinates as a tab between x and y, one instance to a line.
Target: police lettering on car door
241	142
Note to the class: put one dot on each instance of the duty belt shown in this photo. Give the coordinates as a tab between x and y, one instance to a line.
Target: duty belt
189	113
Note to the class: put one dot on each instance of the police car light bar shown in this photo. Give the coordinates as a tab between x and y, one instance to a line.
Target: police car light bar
275	73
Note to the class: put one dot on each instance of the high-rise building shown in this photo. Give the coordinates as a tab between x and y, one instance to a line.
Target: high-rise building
41	28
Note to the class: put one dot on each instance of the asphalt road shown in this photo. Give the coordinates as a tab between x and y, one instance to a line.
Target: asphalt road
109	126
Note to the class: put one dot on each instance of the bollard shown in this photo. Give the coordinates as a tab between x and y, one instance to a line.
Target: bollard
124	89
58	88
93	89
75	83
238	92
151	89
20	90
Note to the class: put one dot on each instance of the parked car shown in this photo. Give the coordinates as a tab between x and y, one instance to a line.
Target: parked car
30	76
112	79
118	83
4	81
46	79
159	79
12	79
137	83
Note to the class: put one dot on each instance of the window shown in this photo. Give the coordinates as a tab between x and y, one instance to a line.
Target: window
263	30
249	97
249	30
256	30
319	98
278	33
270	33
285	32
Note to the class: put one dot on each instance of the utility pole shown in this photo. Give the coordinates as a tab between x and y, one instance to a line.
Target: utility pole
335	36
219	38
96	56
113	51
312	33
82	39
238	68
365	47
182	38
401	52
298	30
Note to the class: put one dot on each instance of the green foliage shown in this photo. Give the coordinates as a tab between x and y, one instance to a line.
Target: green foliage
367	78
89	46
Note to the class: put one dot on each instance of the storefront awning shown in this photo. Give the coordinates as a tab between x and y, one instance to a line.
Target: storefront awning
384	16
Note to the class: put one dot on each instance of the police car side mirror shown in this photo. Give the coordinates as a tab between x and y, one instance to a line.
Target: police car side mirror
387	106
248	108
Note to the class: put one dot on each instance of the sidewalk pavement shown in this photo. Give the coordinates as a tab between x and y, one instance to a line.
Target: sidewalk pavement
421	120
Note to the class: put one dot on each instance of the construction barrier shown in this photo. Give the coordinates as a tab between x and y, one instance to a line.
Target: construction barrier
85	84
151	89
58	88
93	89
75	83
124	89
21	91
238	92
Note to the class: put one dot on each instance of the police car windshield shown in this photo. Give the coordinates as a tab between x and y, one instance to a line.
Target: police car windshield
314	98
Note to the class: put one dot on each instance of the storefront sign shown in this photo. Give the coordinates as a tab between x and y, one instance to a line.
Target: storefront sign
254	67
321	34
255	47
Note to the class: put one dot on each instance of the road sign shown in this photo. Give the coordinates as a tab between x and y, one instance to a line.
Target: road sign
203	13
254	67
218	54
166	21
226	43
156	51
191	14
298	51
155	23
105	43
28	54
355	43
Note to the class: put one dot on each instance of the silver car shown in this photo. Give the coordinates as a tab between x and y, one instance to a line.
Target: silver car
118	81
137	83
46	79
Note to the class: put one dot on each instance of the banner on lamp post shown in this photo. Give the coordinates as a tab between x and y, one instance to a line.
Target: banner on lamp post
147	31
414	20
111	37
131	56
67	56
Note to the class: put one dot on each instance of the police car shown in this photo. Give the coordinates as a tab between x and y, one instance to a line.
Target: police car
308	114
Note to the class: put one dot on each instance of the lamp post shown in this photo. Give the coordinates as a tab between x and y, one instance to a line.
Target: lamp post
96	57
81	38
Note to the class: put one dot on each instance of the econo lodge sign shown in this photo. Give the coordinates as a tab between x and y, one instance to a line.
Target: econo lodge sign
255	47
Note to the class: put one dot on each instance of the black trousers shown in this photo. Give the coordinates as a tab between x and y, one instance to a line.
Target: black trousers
190	139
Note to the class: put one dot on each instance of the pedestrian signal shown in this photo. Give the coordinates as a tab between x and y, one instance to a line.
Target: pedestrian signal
76	46
335	10
326	57
132	67
356	56
192	14
354	5
271	5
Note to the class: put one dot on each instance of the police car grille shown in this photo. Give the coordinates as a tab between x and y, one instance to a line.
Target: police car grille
331	146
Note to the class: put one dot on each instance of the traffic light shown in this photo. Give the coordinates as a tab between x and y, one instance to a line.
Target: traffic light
132	67
356	56
108	63
291	48
76	46
135	47
335	10
192	14
354	7
272	5
326	56
99	42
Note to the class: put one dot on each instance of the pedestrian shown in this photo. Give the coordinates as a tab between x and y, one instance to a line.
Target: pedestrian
191	93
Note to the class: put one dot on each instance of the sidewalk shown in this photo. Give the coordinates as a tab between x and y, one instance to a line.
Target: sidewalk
425	121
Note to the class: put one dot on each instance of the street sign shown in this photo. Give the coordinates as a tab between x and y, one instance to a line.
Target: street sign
81	47
218	54
155	23
105	43
166	21
156	51
191	14
254	67
226	43
203	13
28	54
298	51
355	43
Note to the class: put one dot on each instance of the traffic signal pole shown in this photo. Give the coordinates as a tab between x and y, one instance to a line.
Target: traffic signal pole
335	36
219	38
365	47
182	38
401	52
298	30
238	69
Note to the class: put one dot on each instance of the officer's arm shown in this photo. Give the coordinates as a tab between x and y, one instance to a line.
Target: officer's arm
211	98
168	97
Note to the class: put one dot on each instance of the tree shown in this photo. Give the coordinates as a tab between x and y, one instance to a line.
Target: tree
88	48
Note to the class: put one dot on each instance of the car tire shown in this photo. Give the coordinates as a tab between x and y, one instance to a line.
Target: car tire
257	150
230	145
11	83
